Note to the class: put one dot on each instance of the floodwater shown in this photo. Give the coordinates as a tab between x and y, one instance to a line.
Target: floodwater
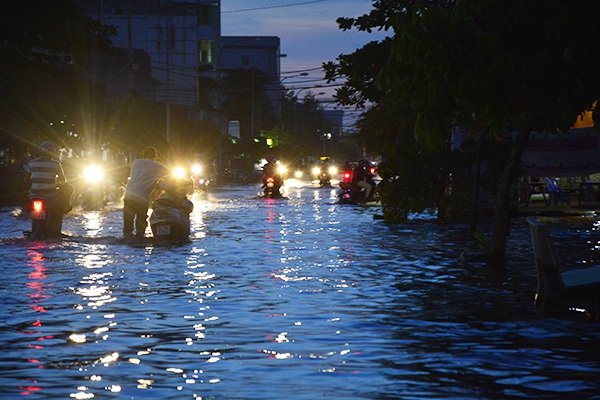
296	298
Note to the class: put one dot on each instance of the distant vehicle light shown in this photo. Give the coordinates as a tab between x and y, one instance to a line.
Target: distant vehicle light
316	170
282	169
196	169
333	170
298	174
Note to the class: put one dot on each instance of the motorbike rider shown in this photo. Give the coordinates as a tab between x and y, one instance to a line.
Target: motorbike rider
145	172
48	178
362	178
325	176
270	169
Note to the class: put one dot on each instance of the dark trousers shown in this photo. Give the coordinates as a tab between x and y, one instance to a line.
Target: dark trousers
138	211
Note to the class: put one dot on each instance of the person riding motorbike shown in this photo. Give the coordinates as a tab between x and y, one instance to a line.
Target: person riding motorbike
145	172
362	178
325	173
48	179
270	169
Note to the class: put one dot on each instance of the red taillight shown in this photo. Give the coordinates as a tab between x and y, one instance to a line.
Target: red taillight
37	205
270	179
38	209
373	170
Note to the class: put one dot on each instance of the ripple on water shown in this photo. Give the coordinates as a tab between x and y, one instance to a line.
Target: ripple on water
295	298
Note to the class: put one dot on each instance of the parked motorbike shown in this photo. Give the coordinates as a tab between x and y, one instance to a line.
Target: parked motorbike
170	217
93	193
46	218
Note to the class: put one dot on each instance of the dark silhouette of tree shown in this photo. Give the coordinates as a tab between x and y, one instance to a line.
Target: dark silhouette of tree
42	44
526	65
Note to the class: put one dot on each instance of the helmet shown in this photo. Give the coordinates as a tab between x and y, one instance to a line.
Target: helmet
48	147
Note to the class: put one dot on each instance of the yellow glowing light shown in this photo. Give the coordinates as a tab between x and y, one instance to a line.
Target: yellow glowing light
196	169
179	172
282	169
93	173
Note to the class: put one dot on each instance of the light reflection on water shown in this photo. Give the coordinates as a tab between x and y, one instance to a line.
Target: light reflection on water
297	298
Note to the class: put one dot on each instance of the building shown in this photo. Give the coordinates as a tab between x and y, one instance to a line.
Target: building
179	37
247	52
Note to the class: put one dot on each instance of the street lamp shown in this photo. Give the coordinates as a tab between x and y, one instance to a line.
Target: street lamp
326	137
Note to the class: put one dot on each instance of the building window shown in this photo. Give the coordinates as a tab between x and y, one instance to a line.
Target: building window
205	51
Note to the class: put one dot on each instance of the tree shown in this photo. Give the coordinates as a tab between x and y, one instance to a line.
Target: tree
526	65
42	43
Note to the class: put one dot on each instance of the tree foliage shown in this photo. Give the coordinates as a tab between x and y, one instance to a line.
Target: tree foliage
526	65
41	44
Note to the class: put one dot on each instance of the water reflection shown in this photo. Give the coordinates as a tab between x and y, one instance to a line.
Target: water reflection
271	294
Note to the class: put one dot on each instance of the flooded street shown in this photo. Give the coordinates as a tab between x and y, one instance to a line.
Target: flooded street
296	298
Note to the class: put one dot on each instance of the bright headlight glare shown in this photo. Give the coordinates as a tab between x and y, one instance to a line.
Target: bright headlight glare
196	169
282	169
93	173
333	170
316	170
179	172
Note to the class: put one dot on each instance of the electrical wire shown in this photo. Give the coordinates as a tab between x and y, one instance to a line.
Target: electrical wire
272	7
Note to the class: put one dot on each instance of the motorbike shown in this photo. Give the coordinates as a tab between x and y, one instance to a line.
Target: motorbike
46	218
353	194
94	195
325	174
170	217
199	180
272	186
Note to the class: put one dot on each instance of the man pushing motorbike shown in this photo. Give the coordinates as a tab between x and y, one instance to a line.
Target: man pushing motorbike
145	172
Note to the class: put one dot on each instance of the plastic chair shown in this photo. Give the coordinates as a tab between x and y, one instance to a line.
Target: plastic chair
556	194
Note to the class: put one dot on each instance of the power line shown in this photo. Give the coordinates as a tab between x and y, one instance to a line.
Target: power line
271	7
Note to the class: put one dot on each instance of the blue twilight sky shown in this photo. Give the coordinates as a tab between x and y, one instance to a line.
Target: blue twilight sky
307	28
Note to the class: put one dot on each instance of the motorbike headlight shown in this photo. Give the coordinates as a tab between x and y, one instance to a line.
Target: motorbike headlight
93	173
196	169
282	169
298	174
316	170
179	172
333	171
